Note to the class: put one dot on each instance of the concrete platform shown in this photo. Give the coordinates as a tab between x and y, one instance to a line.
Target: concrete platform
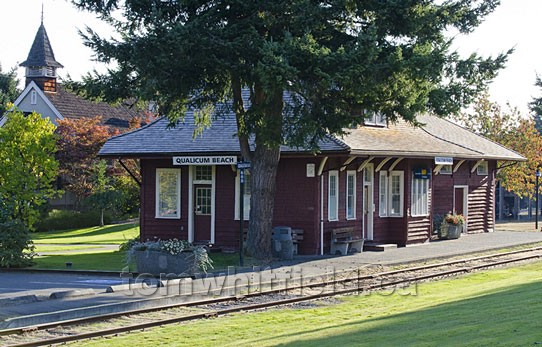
34	305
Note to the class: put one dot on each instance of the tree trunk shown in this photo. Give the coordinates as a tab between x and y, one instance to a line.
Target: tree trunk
262	201
265	161
102	217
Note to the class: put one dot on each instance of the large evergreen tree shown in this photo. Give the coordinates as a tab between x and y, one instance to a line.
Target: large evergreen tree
380	55
8	89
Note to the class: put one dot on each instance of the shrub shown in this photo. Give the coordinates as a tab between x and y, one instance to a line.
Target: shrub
16	247
63	219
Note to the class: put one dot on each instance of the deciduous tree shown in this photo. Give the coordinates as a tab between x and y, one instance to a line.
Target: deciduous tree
78	142
511	129
388	56
28	168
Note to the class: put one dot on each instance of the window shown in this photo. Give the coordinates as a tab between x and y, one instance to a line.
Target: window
203	200
332	201
246	196
383	194
482	169
33	97
396	194
351	195
374	118
168	193
391	195
203	174
420	192
446	170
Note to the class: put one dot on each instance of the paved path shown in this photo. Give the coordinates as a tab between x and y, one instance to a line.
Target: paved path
89	248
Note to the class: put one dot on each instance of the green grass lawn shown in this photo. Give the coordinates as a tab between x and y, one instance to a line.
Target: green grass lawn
493	308
94	261
99	260
109	234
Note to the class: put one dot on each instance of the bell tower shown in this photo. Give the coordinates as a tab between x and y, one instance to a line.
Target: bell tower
41	64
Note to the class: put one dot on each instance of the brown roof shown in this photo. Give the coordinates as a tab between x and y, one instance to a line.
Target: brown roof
437	137
73	106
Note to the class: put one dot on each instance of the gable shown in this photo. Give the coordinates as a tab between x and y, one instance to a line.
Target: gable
32	99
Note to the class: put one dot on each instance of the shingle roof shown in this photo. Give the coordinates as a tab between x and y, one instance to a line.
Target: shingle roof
73	106
157	139
438	137
41	53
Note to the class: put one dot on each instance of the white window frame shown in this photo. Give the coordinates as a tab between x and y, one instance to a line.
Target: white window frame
482	169
419	204
177	189
446	170
333	207
33	97
247	197
401	176
350	174
374	118
383	194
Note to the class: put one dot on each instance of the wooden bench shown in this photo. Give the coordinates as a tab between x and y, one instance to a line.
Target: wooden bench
297	237
343	241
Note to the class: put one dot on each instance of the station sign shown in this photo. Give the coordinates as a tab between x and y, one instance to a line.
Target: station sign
422	173
444	161
205	160
242	165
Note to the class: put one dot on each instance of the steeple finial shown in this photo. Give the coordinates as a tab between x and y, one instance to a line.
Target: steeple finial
42	12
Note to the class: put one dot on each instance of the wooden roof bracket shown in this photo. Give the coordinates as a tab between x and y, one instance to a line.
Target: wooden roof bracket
348	161
322	165
365	163
382	163
476	165
456	167
134	177
397	161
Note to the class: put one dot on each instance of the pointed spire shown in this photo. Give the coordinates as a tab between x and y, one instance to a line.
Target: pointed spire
41	54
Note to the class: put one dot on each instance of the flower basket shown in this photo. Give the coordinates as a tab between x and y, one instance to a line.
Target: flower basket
174	256
155	263
451	227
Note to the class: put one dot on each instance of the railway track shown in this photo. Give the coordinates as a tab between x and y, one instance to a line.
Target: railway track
345	283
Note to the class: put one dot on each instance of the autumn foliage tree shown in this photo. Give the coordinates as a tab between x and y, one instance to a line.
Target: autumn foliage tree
78	143
510	129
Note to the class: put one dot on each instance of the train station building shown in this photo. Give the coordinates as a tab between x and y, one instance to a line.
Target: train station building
386	181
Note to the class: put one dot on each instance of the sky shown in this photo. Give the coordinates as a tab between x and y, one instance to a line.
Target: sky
513	24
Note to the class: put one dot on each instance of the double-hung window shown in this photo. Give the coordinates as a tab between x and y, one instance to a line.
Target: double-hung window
420	197
391	194
333	196
351	195
383	194
168	193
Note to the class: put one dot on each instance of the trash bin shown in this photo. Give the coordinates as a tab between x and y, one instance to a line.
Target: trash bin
283	244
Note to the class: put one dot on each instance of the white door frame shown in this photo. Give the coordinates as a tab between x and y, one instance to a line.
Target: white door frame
191	183
465	203
369	205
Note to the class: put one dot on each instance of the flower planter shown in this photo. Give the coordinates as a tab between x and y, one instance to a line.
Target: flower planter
450	231
155	263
